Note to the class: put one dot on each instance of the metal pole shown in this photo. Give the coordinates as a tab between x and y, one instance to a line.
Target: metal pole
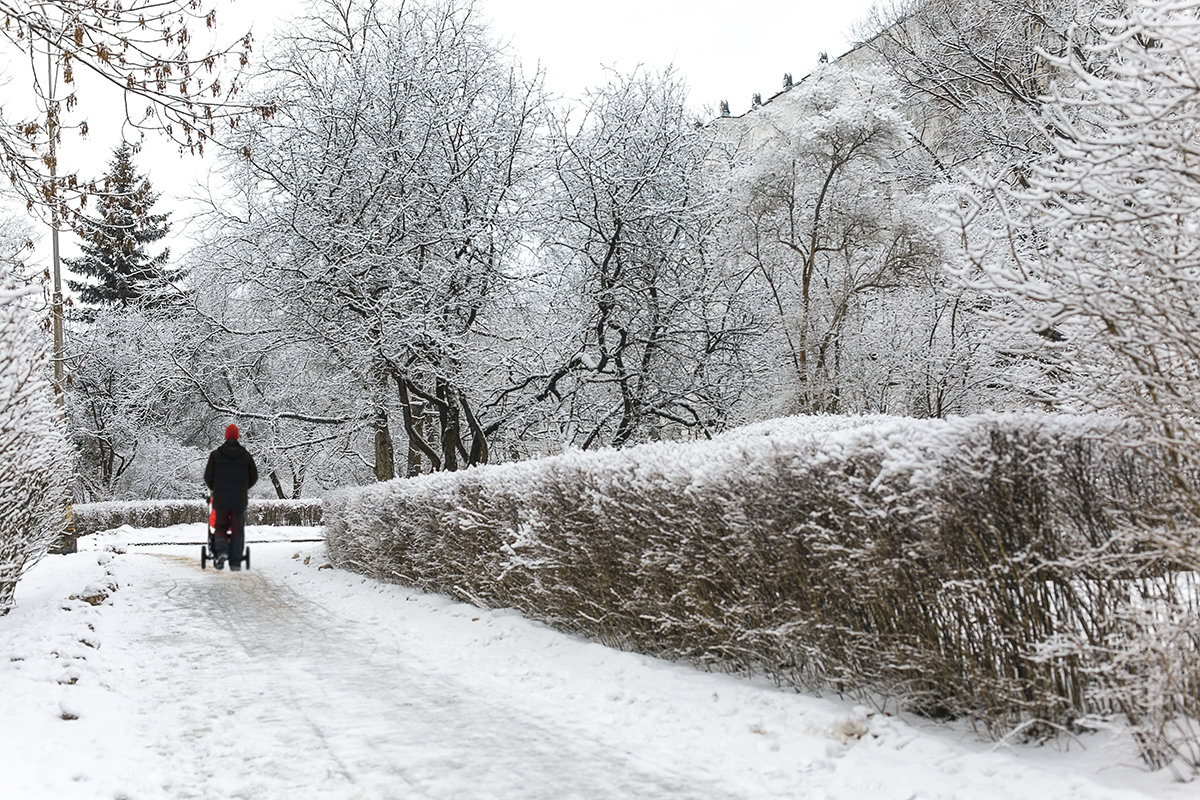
68	540
57	300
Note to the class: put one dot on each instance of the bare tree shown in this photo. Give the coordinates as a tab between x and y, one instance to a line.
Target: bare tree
974	72
649	323
136	422
144	51
1099	246
823	224
379	206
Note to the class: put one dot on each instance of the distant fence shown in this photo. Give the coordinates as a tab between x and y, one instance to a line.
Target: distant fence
94	517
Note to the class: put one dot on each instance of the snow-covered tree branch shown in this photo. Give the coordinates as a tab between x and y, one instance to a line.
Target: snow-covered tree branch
35	457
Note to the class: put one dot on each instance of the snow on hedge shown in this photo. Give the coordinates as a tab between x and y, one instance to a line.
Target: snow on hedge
987	567
35	456
94	517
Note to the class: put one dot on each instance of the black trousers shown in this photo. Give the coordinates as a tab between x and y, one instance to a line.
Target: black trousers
229	535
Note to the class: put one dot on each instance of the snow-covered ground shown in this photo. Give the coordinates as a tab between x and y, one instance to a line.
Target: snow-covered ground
293	681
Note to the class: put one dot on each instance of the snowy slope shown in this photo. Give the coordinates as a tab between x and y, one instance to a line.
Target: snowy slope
292	681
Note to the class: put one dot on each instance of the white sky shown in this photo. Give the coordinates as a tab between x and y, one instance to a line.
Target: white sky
723	50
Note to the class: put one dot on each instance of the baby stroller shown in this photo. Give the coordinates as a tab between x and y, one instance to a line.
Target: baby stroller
206	551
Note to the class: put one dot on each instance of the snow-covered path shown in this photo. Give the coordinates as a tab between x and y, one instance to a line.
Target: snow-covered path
291	681
368	716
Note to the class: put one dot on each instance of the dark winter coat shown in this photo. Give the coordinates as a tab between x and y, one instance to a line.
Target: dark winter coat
230	472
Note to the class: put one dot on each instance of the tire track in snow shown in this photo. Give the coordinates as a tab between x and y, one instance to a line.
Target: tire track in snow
283	696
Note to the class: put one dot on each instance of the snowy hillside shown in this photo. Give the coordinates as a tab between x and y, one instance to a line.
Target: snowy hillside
296	681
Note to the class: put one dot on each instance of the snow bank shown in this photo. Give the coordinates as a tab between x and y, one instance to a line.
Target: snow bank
95	517
986	567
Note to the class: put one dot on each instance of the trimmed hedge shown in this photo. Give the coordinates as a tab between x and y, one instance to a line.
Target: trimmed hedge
95	517
1017	570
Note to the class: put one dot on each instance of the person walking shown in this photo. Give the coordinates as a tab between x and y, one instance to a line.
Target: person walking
229	474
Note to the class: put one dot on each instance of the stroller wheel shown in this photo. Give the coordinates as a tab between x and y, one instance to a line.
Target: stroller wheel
203	558
246	559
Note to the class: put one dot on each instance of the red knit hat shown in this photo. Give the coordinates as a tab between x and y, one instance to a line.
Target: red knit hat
231	432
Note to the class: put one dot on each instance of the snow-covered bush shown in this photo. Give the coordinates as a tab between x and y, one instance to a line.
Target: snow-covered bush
1093	250
986	567
35	457
95	517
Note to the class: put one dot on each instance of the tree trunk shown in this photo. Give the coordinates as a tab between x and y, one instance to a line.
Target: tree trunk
278	486
385	457
451	434
298	480
414	427
414	452
385	453
297	483
479	445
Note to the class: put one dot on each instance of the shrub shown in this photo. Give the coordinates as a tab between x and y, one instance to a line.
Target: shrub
95	517
993	567
35	456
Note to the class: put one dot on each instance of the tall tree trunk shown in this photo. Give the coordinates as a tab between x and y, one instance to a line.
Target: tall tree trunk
479	445
385	454
414	452
451	434
385	457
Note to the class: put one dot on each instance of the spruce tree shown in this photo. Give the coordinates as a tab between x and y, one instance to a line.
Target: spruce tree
114	242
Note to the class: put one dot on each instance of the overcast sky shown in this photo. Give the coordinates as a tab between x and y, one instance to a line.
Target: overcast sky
724	50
